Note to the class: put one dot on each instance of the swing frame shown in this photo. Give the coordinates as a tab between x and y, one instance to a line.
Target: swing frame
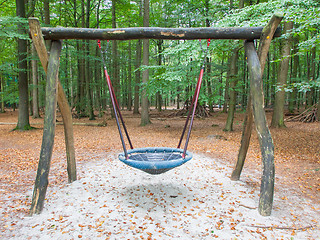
54	93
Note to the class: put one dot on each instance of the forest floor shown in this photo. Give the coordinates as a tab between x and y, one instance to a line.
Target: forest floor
297	187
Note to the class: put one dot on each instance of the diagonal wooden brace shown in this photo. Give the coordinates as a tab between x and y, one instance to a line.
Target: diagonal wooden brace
38	41
264	135
264	45
41	182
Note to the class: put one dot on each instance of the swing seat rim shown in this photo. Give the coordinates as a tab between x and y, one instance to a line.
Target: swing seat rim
154	165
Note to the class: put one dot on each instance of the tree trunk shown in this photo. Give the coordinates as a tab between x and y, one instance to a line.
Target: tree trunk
226	90
220	81
158	94
98	87
137	79
308	96
35	98
178	98
318	110
274	76
233	80
23	118
97	69
29	73
129	106
209	87
145	118
278	111
318	106
245	87
312	78
88	72
241	4
294	75
2	96
80	103
46	9
115	61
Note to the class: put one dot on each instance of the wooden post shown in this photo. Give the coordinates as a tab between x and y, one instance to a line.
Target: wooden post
36	34
264	135
41	183
264	45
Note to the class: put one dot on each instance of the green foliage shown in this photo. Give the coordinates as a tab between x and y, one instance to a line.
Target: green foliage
302	13
304	86
10	93
9	27
181	60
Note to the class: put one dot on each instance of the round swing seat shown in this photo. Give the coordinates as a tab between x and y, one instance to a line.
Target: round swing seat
155	160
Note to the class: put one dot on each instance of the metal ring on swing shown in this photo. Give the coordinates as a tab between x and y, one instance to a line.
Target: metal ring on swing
155	160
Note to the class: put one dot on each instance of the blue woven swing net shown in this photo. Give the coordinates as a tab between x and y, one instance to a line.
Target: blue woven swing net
155	160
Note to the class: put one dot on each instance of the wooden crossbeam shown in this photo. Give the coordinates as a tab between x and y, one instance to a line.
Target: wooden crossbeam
248	33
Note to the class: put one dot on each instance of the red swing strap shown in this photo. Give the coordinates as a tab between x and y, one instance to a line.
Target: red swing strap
115	105
193	106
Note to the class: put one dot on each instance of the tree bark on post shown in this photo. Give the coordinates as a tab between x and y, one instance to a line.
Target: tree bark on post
41	182
264	45
62	100
264	135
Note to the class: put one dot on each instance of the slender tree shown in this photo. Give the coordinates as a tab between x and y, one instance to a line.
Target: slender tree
145	118
87	70
311	61
2	97
278	110
294	75
115	60
35	99
233	80
158	94
23	118
136	103
129	105
137	79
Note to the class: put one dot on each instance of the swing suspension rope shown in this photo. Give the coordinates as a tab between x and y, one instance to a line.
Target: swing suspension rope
115	105
154	160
